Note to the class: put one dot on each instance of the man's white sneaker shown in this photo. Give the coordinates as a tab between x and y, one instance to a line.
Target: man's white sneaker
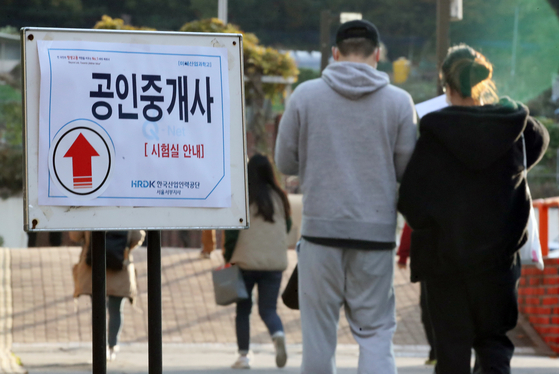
281	351
243	362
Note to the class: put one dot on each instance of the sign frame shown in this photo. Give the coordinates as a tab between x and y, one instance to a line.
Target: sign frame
102	218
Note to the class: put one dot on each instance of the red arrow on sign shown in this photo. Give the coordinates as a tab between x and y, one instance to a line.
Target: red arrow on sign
81	152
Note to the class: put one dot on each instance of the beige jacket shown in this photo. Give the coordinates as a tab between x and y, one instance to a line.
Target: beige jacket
119	283
264	245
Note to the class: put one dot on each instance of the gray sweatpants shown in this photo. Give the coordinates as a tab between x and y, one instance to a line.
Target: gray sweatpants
361	281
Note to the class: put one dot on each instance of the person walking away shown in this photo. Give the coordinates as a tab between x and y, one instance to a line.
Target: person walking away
261	254
348	136
208	243
403	255
464	196
121	276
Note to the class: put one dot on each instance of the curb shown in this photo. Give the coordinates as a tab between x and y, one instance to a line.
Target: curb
8	362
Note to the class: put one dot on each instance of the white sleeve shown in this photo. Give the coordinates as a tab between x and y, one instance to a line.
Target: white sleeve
407	136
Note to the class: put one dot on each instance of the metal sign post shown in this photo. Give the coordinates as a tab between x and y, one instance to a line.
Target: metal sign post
443	36
222	10
325	45
98	302
91	165
154	303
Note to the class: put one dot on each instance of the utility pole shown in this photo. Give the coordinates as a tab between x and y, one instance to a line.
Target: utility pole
325	23
443	36
514	41
222	10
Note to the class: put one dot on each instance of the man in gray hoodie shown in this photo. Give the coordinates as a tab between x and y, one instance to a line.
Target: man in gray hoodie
348	136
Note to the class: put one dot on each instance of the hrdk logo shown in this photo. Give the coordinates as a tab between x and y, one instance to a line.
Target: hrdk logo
80	159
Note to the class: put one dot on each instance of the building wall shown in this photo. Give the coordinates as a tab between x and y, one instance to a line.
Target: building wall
538	300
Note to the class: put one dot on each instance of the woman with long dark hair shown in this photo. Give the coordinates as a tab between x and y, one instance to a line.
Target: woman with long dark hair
261	254
464	195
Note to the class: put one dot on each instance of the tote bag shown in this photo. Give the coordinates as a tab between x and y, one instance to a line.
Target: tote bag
229	286
531	251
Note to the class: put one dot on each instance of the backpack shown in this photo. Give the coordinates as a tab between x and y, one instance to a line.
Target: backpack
115	247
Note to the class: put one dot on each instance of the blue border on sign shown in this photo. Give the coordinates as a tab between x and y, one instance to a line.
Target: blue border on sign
143	53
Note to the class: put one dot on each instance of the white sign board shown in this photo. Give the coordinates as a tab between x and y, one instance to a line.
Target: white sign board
133	125
133	130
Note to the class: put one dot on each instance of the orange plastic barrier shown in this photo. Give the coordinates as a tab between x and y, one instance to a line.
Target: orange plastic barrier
543	206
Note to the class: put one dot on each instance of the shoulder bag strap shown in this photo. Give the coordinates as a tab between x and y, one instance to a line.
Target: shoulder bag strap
525	172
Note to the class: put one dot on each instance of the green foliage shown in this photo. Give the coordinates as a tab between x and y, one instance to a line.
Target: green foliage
542	105
70	5
9	30
203	8
11	172
159	14
555	5
54	13
109	23
8	93
16	357
11	123
295	23
306	74
551	154
542	178
419	89
488	26
10	116
279	23
258	60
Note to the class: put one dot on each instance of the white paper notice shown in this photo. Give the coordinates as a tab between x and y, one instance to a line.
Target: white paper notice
133	125
431	105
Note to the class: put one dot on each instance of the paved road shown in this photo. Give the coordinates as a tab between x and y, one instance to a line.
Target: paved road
52	333
45	312
216	359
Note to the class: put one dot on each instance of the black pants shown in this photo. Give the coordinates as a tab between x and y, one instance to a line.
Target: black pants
426	320
474	312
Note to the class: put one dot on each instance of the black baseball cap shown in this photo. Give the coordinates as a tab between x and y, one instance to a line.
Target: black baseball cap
358	29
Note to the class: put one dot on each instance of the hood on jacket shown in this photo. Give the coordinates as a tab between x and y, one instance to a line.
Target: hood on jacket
477	135
353	79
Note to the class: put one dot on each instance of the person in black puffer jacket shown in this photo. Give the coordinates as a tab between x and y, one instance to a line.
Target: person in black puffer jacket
464	196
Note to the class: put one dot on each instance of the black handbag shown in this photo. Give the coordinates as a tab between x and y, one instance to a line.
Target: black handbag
290	295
